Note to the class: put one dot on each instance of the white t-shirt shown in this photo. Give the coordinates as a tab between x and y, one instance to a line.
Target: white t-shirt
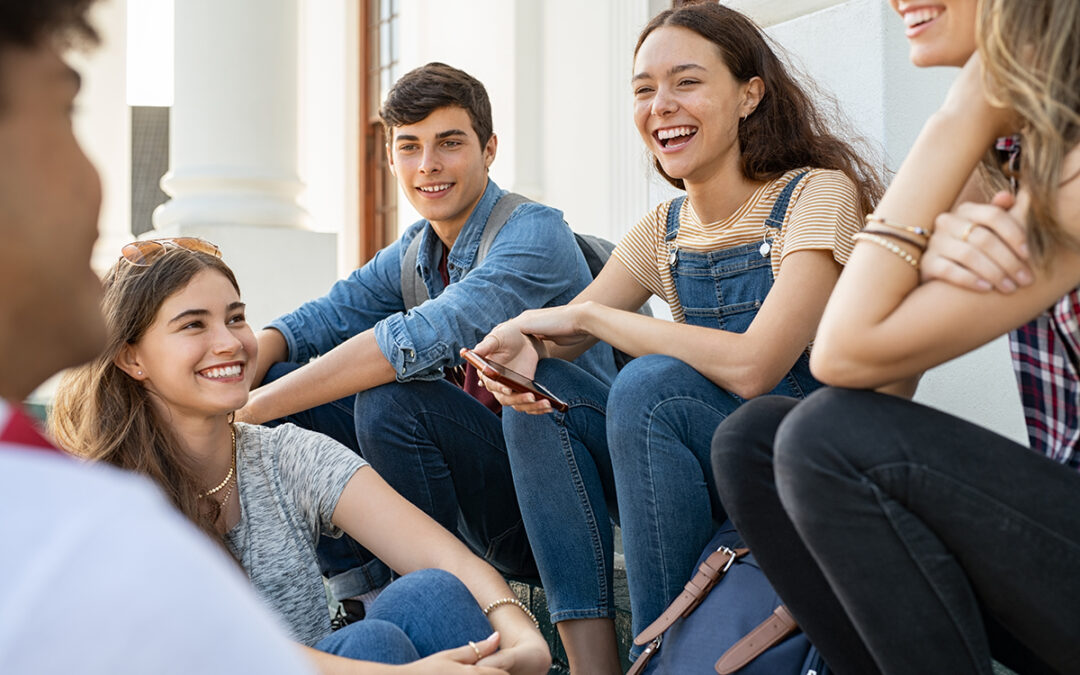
98	574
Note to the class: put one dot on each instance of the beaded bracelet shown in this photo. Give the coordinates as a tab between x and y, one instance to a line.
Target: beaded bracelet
918	231
512	601
885	243
898	237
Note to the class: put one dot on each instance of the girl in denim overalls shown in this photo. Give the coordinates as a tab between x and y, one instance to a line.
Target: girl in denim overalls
765	184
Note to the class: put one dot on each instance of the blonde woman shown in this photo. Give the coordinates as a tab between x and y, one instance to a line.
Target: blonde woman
905	540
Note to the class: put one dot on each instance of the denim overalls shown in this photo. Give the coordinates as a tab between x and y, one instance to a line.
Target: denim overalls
725	289
645	438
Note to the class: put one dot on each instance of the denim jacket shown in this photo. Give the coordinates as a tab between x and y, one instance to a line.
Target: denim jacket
534	261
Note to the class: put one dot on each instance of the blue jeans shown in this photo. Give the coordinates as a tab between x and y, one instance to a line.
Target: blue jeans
439	448
905	540
647	441
417	615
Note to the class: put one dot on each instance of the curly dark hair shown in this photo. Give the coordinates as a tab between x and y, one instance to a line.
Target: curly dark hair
24	23
787	130
422	90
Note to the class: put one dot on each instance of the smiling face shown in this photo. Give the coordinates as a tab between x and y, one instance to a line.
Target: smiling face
50	196
198	355
939	32
441	167
687	104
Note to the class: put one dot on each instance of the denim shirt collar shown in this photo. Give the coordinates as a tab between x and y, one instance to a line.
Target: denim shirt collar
463	254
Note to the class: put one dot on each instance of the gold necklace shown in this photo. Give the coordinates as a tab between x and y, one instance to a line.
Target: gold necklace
228	476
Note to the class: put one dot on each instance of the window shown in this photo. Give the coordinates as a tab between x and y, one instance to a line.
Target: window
378	191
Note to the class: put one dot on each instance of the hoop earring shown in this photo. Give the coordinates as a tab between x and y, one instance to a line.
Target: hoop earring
232	417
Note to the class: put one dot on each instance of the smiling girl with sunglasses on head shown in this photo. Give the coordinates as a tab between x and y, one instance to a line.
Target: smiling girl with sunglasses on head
179	360
903	539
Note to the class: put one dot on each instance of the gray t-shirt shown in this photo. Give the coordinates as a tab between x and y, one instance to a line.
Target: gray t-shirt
290	480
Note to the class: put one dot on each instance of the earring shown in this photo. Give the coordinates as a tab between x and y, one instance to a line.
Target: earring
139	373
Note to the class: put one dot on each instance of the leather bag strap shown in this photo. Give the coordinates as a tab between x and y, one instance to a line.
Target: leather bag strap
711	570
769	632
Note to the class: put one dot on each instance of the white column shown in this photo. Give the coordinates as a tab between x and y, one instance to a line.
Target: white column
233	147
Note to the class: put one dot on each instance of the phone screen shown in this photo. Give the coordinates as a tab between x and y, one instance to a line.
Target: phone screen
512	379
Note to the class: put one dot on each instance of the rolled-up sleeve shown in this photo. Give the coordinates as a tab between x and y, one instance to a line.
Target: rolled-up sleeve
353	305
533	261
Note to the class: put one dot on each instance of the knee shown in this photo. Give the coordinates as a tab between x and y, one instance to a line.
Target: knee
820	437
742	445
637	387
371	640
420	589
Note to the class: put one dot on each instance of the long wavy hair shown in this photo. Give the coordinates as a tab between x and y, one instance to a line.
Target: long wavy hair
103	414
787	130
1031	55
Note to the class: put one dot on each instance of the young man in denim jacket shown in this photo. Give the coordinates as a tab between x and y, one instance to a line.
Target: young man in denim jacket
389	383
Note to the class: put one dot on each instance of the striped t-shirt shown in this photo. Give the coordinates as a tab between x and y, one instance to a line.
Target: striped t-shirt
823	214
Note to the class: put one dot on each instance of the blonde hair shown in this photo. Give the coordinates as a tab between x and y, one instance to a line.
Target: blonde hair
103	414
1031	53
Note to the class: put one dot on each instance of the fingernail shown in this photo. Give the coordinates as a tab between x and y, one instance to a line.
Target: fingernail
1024	277
1008	286
493	636
1024	250
983	285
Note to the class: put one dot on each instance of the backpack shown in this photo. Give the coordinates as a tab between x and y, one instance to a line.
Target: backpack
596	250
727	620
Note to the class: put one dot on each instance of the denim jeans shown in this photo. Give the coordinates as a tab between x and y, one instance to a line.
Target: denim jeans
646	440
439	448
417	615
444	451
905	540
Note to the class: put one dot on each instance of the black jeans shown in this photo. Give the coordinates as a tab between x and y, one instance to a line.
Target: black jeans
905	540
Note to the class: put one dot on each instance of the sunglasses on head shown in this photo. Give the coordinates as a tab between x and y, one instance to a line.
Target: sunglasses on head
144	253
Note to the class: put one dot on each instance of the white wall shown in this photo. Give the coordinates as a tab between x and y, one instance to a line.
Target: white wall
888	99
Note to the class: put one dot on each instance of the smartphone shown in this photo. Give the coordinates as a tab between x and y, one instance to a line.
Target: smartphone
514	380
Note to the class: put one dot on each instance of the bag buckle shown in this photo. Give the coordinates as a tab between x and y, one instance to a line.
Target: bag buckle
731	557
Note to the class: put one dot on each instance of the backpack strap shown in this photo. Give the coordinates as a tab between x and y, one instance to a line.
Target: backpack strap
711	571
500	213
413	290
769	632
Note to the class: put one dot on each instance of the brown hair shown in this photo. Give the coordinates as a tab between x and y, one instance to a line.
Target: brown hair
1031	54
103	414
786	131
423	90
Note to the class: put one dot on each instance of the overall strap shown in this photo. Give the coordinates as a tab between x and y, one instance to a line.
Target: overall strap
674	208
413	290
779	209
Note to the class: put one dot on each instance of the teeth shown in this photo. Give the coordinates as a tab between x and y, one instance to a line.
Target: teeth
435	188
921	15
665	134
222	372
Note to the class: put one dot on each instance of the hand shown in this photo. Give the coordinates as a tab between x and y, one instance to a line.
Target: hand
980	247
508	346
529	656
460	660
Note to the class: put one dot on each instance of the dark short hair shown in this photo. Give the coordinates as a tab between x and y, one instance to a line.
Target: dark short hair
26	23
423	90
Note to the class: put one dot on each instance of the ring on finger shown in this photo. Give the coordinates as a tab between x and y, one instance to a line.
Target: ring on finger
967	231
476	649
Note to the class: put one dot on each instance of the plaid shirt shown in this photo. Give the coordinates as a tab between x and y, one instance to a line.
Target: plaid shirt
1046	358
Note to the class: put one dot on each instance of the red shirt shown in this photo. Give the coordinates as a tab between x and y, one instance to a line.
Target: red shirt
465	376
17	429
